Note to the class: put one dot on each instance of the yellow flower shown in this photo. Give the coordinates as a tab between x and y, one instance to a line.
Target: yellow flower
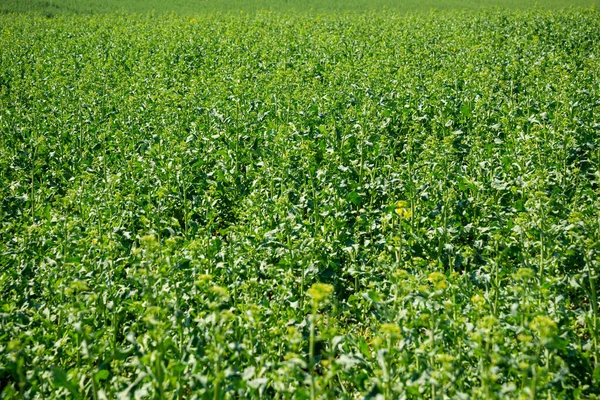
478	300
445	359
524	274
488	322
438	280
149	242
403	210
219	291
14	345
401	274
544	326
203	279
320	291
392	330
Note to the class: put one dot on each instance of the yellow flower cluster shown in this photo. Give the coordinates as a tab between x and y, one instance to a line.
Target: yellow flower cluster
392	330
403	209
320	291
438	280
544	326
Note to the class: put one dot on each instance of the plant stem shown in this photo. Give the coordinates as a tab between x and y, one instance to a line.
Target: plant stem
311	351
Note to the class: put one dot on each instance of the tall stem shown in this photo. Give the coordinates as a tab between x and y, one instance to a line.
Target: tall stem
311	351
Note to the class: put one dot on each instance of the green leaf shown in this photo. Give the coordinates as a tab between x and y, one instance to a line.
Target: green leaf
60	380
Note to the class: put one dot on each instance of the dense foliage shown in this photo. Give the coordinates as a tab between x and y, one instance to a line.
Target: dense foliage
292	206
191	7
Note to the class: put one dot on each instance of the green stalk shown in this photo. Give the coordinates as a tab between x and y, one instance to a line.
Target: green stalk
594	309
302	287
94	387
78	341
32	186
496	282
386	372
399	249
311	350
432	359
217	378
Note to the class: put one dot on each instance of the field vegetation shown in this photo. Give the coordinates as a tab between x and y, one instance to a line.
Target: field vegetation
193	7
290	205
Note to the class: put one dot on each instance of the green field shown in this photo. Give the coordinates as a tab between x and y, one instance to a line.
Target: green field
376	205
193	7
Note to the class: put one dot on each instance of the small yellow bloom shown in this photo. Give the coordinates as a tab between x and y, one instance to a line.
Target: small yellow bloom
219	291
403	209
392	330
444	358
524	274
401	274
524	338
149	242
320	291
438	280
544	326
203	279
488	322
14	345
478	300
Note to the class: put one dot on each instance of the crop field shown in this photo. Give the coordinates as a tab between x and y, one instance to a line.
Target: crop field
285	205
192	7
